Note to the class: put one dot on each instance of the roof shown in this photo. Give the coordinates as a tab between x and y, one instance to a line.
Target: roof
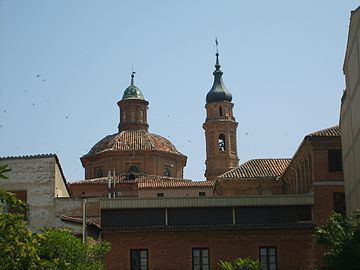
150	181
211	201
328	132
139	178
176	184
258	168
133	140
218	91
39	156
133	92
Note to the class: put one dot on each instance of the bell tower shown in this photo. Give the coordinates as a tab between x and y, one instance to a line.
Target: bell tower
220	128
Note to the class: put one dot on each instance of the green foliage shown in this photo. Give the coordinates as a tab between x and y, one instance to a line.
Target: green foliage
341	238
53	249
18	247
61	250
240	264
4	168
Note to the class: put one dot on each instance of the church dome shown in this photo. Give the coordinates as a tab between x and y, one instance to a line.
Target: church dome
133	92
218	91
133	140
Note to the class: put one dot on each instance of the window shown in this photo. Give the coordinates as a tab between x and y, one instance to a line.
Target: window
339	202
200	259
160	195
222	142
335	160
167	170
134	169
139	259
202	194
268	258
220	111
99	172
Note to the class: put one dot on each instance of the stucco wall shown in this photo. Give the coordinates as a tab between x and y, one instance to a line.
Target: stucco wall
350	116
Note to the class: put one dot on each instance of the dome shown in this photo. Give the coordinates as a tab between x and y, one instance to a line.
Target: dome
133	140
133	92
218	91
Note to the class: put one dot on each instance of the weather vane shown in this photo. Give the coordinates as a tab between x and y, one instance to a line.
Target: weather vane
132	72
217	45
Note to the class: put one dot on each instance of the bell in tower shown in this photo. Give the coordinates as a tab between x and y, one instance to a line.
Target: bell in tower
220	128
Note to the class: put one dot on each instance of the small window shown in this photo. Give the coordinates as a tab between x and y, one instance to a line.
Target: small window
160	195
335	160
202	194
139	259
220	111
200	259
134	169
222	145
167	170
339	202
99	172
268	258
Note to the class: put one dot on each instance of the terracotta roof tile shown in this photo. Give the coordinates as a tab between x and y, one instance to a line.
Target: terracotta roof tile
133	140
328	132
176	184
139	178
258	168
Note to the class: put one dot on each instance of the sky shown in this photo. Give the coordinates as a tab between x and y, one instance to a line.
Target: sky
65	64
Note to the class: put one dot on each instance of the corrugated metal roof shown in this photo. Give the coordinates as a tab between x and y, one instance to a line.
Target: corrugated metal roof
121	203
258	168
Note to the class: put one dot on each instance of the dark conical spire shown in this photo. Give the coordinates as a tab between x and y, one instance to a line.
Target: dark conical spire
218	91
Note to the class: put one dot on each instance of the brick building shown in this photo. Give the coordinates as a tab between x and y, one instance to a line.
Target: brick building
155	219
264	209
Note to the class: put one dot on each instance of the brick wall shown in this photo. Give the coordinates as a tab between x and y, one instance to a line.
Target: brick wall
172	250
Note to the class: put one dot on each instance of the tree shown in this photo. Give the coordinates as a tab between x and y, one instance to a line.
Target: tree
340	237
240	264
61	250
53	249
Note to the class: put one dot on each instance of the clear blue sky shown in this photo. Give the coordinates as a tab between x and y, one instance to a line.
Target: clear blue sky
282	61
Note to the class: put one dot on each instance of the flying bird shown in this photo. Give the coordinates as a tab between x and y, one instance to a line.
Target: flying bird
44	80
37	76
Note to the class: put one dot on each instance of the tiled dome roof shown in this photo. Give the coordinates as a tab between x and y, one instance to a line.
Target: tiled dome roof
133	140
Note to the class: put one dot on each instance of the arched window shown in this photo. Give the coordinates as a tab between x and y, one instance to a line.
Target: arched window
134	169
99	173
167	171
222	144
220	111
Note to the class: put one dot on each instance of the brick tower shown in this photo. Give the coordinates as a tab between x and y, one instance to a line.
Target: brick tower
220	128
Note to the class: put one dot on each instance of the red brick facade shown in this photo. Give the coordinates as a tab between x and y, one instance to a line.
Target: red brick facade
172	250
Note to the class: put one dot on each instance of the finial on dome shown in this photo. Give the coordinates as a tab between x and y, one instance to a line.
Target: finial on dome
217	65
132	75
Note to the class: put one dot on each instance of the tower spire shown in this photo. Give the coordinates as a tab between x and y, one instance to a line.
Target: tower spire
132	75
217	64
